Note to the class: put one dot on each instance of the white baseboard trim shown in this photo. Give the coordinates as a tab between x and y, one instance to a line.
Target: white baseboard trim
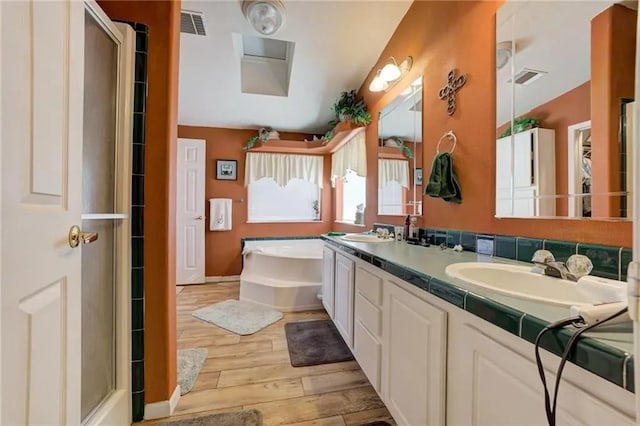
228	278
158	410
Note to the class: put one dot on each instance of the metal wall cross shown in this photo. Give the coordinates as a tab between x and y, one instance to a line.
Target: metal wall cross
449	90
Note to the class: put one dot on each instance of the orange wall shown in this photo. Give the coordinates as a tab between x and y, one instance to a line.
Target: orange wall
222	249
163	19
567	109
459	34
613	47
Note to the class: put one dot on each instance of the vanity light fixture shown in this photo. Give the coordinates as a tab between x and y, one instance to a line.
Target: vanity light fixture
504	51
378	84
390	73
266	16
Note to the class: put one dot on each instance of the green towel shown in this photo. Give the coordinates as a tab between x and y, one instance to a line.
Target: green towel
336	234
443	182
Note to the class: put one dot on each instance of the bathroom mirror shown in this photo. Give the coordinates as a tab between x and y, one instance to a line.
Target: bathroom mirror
565	87
400	154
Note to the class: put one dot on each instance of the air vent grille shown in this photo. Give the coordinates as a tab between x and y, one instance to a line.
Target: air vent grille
192	23
527	76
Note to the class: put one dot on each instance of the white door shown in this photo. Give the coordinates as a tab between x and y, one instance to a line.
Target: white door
42	91
190	214
328	270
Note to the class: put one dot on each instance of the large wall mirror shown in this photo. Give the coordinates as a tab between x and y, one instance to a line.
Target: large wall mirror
565	87
400	154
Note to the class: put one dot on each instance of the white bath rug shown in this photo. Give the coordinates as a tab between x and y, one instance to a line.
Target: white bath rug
239	316
190	363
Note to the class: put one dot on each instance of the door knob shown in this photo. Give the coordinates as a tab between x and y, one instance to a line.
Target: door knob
200	218
76	236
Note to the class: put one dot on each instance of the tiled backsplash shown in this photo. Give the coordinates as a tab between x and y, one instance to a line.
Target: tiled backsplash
608	262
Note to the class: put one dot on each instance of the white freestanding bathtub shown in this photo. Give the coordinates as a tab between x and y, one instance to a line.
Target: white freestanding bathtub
283	274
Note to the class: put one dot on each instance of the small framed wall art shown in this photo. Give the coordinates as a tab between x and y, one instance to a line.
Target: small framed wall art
418	177
226	170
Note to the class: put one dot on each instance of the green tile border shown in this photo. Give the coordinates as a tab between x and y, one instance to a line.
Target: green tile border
610	363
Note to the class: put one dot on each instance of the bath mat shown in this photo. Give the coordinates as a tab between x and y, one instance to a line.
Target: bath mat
238	418
189	365
239	316
315	342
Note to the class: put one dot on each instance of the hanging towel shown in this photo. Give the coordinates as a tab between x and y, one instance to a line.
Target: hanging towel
220	214
443	182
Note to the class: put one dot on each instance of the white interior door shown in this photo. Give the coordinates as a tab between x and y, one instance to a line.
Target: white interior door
190	213
42	283
42	104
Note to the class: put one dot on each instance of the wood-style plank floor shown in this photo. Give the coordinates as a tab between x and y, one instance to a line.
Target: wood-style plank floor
244	372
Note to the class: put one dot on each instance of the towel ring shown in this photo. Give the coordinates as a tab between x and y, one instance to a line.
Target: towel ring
451	136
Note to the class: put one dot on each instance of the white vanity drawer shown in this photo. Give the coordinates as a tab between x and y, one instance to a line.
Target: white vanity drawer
368	314
369	285
368	352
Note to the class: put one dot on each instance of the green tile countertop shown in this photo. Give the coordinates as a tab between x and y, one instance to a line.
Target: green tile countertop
607	352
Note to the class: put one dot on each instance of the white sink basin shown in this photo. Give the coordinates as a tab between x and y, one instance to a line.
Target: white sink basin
518	281
365	238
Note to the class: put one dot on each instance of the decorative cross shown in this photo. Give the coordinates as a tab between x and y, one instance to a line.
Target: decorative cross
449	90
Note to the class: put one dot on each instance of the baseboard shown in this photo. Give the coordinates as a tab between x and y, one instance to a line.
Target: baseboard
228	278
158	410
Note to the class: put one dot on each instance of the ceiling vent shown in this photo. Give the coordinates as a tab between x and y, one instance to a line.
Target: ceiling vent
527	76
192	23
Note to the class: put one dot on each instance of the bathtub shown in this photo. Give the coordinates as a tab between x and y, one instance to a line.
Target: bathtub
282	274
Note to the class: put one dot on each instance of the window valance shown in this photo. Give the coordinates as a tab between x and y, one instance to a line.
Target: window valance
351	156
393	171
283	167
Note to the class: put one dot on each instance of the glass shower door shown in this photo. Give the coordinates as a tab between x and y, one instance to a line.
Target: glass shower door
98	199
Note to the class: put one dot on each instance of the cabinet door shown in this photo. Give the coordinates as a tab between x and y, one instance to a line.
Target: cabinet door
343	298
489	384
524	202
328	270
523	159
414	358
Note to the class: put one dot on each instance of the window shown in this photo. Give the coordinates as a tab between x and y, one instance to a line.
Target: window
348	176
283	187
270	202
351	197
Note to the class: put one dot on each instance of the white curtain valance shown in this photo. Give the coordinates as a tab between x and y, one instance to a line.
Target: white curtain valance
351	156
393	171
283	167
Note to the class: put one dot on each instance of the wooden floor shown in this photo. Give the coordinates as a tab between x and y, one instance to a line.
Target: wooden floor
243	372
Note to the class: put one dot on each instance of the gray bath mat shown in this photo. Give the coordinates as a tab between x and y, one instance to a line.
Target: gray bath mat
239	418
189	365
315	342
238	316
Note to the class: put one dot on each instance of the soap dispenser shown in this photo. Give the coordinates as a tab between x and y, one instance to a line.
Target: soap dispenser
413	229
407	226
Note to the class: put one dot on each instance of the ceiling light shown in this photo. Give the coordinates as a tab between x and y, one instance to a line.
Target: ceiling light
504	50
378	84
266	16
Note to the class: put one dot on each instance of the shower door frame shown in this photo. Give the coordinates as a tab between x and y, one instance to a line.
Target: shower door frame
116	408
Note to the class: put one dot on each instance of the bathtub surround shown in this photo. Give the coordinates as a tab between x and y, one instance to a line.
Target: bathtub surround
223	249
190	363
238	316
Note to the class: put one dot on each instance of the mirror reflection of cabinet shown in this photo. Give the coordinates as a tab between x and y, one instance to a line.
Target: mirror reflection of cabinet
400	154
533	174
568	67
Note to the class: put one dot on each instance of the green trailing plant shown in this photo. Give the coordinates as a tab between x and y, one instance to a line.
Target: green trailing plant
401	146
262	136
348	108
520	125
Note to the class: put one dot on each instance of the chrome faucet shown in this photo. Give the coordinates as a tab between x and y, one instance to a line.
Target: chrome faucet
576	266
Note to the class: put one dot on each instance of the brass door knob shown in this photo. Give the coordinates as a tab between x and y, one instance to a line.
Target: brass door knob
76	236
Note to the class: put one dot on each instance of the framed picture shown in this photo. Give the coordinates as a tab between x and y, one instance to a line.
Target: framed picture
226	170
418	177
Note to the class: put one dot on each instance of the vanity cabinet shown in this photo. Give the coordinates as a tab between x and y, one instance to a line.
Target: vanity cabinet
343	297
493	380
328	275
414	358
533	174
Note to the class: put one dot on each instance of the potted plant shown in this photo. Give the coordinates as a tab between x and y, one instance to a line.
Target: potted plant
264	134
396	142
520	125
348	108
